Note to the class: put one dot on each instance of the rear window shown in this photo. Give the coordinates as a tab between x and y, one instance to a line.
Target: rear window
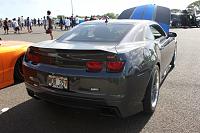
97	33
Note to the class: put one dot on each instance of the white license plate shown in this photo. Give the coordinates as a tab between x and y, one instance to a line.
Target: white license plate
57	82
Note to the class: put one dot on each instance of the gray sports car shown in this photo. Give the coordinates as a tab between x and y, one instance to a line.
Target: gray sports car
116	66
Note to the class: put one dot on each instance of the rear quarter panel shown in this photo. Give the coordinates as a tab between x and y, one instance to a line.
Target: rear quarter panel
140	60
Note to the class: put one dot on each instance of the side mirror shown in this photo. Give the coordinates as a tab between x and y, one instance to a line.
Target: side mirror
172	34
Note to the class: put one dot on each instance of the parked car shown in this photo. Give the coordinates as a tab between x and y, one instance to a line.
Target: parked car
114	65
11	56
184	19
175	20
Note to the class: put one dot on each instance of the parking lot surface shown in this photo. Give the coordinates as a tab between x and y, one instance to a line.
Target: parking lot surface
178	109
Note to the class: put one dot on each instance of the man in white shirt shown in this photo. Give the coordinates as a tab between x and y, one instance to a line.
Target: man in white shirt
15	26
77	20
67	23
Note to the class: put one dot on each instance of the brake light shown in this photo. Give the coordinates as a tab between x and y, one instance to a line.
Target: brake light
116	66
32	57
94	66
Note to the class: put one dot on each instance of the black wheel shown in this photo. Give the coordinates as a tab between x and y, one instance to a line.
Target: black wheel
173	62
18	73
152	92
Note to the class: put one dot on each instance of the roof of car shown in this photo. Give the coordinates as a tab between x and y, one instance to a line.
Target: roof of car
121	21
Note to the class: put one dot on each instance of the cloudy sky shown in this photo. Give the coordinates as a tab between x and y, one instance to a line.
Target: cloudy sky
38	8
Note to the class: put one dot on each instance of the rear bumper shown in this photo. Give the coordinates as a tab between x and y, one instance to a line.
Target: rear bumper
120	108
123	94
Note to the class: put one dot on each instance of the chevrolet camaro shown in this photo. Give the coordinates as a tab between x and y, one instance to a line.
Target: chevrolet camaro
115	66
11	56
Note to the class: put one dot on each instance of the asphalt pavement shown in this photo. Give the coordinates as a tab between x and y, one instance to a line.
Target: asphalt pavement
178	108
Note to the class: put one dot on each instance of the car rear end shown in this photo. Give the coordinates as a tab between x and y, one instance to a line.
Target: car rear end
94	78
81	76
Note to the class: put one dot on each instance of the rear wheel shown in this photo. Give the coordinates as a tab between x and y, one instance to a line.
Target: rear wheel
152	92
18	73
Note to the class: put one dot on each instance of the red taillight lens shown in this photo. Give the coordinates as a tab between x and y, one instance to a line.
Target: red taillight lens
116	66
94	66
33	57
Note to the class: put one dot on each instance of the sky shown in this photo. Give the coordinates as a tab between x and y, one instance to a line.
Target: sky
38	8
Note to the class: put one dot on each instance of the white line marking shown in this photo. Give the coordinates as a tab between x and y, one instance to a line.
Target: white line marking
4	110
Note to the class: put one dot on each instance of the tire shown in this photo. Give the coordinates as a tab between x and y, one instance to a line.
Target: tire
152	92
173	62
18	73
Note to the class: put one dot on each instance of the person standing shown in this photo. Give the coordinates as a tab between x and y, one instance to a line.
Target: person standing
73	22
16	25
77	20
22	22
45	23
38	21
67	23
41	22
61	23
28	24
5	26
1	23
34	21
49	24
19	22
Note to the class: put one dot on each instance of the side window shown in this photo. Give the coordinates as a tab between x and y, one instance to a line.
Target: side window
157	31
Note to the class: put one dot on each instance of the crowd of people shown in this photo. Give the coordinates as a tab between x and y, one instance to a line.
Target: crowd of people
65	23
18	24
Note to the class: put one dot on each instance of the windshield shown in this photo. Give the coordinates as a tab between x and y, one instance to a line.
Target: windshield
97	33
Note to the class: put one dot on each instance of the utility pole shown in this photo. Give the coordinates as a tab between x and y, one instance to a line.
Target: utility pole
72	8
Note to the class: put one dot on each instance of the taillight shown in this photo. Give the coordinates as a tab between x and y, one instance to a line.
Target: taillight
94	66
115	66
32	57
112	66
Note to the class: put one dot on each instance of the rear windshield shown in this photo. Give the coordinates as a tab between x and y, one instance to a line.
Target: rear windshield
97	33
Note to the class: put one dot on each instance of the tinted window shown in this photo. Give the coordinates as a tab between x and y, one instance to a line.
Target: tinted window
97	33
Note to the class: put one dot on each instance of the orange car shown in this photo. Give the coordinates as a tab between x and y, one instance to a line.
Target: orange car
11	55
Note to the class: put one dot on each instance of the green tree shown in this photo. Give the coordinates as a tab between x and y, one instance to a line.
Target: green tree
175	10
194	5
59	16
111	15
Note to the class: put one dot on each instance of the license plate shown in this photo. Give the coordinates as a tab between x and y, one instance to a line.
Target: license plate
57	82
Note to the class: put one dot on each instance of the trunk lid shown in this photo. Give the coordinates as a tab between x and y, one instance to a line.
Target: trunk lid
72	55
